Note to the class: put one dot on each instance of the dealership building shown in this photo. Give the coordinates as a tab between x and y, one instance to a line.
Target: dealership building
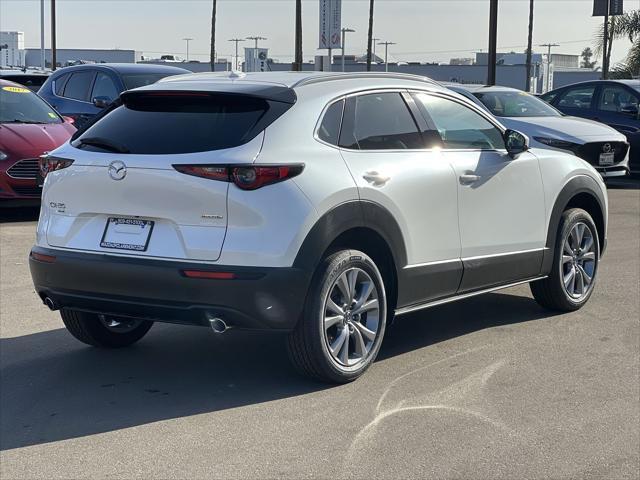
69	56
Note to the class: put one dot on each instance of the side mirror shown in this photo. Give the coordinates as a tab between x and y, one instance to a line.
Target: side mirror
515	142
101	102
69	120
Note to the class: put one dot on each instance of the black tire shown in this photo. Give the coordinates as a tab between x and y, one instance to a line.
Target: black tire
307	344
89	329
551	292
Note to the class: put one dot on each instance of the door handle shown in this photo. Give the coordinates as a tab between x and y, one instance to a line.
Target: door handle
376	179
468	178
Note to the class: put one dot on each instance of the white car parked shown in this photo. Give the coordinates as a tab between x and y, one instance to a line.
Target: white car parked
322	205
602	146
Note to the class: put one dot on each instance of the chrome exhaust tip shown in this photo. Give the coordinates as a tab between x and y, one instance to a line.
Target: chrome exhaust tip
48	301
218	325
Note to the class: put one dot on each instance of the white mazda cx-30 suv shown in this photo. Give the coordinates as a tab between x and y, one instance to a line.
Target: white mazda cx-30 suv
321	205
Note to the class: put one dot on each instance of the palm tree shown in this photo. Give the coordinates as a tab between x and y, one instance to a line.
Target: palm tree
621	26
297	62
212	58
370	36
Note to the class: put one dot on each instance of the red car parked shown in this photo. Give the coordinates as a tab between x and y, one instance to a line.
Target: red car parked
29	127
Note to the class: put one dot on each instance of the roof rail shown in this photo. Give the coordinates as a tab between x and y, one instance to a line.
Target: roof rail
355	75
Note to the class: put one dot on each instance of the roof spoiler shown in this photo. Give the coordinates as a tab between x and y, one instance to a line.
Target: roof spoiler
275	93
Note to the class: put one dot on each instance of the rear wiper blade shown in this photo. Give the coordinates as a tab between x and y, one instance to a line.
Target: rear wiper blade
104	144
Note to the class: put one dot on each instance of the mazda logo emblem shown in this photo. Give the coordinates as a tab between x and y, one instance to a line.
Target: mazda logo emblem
117	170
606	148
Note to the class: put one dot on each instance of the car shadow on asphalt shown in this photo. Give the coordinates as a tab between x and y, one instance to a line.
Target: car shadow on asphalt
19	214
54	388
626	183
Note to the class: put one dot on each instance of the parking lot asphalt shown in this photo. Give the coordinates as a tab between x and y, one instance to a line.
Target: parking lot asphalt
490	387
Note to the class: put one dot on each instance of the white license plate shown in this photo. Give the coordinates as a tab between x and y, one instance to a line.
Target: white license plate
607	158
127	234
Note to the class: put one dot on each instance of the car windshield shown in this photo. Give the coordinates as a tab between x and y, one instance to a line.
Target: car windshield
141	79
20	105
516	104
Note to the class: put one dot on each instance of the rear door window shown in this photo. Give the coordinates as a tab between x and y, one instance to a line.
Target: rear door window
379	121
615	98
193	122
577	97
79	85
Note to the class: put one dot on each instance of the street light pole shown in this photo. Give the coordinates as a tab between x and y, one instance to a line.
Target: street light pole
386	54
236	40
549	45
344	37
187	40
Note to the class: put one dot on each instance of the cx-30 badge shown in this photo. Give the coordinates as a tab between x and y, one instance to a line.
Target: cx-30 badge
117	170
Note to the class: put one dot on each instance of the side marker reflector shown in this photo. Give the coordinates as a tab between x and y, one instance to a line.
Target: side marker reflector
209	275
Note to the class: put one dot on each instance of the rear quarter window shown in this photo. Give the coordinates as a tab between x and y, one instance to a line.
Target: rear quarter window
59	83
329	129
175	124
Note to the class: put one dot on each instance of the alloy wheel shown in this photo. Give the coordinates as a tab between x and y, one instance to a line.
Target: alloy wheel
351	317
578	264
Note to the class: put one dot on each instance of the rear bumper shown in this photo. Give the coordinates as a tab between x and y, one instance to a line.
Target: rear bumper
256	298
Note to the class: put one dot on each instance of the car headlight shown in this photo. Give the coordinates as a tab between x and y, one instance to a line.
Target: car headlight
3	156
557	143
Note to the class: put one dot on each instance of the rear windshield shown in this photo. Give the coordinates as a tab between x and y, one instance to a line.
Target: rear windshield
20	105
135	80
175	123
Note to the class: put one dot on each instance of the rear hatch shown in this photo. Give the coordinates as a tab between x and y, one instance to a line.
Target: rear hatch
123	195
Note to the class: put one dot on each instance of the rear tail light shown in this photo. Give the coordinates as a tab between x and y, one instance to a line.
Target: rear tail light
51	164
249	177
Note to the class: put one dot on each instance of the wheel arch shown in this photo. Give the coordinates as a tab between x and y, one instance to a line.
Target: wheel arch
580	192
364	226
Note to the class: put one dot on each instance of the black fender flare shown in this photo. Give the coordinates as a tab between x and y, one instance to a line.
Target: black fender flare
575	186
344	217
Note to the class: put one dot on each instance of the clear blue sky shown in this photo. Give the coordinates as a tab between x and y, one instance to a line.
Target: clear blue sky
427	30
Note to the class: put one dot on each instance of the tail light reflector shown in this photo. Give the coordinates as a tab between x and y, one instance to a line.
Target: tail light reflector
246	177
41	257
209	275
